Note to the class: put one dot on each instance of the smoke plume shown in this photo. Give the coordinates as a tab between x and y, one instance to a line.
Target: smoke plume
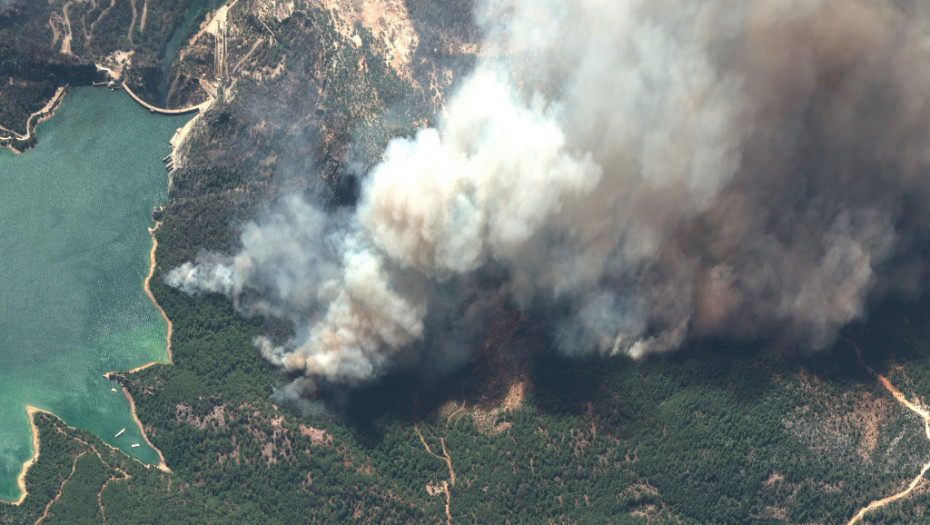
645	171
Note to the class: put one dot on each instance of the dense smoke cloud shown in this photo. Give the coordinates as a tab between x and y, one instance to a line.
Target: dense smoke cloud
646	171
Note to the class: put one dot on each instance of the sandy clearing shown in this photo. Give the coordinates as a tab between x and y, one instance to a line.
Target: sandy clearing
388	21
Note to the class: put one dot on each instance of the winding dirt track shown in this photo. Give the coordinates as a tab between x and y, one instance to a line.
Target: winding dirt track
133	22
99	18
125	475
913	407
453	414
60	489
66	40
103	512
31	412
445	457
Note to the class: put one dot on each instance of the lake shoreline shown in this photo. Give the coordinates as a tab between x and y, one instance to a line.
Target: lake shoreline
21	479
31	411
146	285
44	114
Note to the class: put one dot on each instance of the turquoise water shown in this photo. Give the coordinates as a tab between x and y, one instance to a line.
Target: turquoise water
174	43
74	252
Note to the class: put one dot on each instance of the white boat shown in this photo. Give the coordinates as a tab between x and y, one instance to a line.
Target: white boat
134	445
112	390
120	433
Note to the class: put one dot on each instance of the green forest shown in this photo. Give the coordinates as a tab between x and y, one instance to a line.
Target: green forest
716	433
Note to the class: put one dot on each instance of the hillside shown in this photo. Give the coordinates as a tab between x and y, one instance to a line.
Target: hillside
306	96
736	436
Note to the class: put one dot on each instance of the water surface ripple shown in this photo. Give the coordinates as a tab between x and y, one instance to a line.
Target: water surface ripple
74	252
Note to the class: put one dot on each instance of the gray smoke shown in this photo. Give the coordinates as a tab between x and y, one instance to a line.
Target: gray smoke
647	171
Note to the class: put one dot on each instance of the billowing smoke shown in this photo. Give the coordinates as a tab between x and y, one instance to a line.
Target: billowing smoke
642	171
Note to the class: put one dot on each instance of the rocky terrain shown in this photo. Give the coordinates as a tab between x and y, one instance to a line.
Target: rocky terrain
305	95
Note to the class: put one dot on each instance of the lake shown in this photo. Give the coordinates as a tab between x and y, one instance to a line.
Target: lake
74	253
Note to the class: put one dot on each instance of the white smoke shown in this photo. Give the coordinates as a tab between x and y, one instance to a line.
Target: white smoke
652	170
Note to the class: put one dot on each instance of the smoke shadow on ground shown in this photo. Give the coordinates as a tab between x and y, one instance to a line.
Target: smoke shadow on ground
562	385
896	334
419	394
402	397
